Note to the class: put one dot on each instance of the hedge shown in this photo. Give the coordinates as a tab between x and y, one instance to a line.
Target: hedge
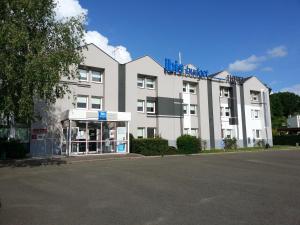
12	149
188	144
286	139
149	146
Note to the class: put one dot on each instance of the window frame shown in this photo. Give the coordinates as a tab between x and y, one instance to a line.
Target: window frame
96	97
192	87
143	132
196	132
147	79
154	132
186	110
87	101
193	105
143	102
154	107
87	75
143	82
185	86
101	76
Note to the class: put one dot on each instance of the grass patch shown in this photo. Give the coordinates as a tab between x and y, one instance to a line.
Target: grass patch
254	149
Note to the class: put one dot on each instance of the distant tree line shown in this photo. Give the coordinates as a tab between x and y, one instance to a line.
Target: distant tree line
283	104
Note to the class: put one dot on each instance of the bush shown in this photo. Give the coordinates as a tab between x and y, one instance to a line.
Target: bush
230	143
171	151
149	146
188	144
12	149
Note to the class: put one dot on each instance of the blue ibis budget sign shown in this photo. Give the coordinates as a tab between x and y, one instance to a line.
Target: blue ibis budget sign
179	69
102	115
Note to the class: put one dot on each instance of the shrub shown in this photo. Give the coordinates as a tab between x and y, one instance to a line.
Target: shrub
260	143
188	144
230	143
12	149
149	146
171	151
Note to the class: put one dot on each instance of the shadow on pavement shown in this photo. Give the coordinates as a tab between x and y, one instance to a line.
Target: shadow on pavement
32	162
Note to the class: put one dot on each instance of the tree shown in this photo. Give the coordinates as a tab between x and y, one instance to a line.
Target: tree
283	104
36	52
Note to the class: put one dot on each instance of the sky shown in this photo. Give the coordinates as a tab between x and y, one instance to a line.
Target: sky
257	37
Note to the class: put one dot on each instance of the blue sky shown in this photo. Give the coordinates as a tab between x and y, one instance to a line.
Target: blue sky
259	38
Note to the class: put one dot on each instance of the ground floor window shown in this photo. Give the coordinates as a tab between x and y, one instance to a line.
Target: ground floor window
194	132
226	133
151	132
256	134
95	137
141	132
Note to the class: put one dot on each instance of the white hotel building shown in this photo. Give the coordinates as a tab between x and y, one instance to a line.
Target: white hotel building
110	100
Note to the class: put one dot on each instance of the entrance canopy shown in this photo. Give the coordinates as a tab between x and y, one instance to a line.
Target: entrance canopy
95	132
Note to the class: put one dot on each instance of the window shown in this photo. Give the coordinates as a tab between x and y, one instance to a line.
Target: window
81	102
226	133
254	114
140	132
151	132
192	88
254	96
184	89
96	103
83	75
96	76
224	92
193	109
140	82
186	131
185	109
194	132
189	88
225	111
140	105
150	107
150	83
257	134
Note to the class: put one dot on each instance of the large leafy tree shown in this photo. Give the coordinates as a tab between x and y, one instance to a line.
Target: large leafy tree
36	52
283	104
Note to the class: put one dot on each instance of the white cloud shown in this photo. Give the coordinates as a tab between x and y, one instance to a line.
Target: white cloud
295	89
71	8
245	65
253	62
119	53
279	51
267	69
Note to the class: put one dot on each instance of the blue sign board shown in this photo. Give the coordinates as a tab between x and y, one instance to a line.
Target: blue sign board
180	69
102	115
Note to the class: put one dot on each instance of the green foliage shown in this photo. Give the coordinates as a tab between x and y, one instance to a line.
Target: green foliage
230	143
286	139
283	104
12	149
36	52
188	144
149	146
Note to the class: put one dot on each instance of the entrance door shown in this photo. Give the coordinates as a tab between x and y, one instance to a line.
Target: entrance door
92	140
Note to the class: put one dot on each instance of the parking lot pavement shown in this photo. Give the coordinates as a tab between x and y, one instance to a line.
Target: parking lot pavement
240	188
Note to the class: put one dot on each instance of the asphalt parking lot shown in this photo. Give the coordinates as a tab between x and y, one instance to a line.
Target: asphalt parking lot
240	188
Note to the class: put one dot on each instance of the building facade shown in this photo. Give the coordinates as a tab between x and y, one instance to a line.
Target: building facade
110	100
